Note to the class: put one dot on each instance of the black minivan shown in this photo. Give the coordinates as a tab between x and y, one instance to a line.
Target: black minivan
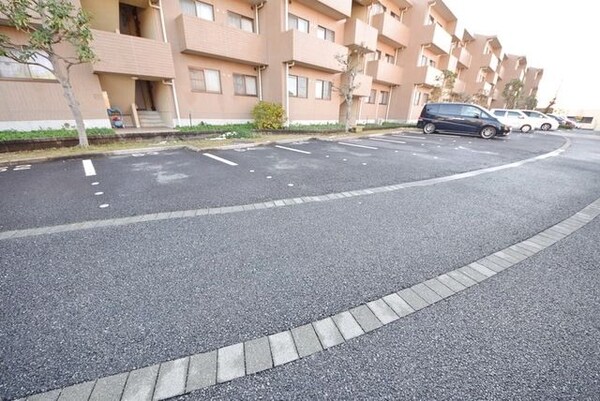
461	118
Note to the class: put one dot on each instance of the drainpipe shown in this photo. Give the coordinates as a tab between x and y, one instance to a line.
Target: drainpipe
287	92
256	24
260	69
164	35
360	106
387	109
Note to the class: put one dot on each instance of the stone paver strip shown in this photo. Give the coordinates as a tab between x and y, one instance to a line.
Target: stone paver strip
366	318
462	278
347	325
49	396
328	332
140	384
503	261
202	371
487	262
437	286
81	391
398	305
258	355
487	272
283	348
472	273
412	299
426	293
230	362
451	283
171	379
384	313
109	388
306	340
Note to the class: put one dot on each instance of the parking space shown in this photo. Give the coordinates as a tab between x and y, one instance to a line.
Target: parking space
151	182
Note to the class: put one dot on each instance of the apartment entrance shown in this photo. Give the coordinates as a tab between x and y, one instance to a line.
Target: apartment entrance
144	95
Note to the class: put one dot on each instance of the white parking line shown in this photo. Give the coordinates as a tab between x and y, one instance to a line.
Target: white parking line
88	167
292	149
411	137
386	140
220	159
357	146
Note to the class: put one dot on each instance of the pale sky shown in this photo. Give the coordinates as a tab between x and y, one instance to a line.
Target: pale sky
562	37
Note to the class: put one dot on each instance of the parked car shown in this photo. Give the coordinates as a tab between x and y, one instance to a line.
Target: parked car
461	118
542	121
564	121
515	119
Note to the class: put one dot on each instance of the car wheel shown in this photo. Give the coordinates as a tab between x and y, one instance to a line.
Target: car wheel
429	128
526	128
545	127
487	132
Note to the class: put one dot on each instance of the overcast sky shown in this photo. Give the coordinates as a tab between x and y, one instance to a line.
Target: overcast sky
563	38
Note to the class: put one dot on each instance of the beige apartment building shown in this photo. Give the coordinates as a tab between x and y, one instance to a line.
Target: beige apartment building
512	67
533	76
182	62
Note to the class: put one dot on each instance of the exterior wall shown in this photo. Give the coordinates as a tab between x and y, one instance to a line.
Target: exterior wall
512	67
533	76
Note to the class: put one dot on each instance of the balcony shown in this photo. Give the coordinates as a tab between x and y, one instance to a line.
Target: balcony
460	86
206	38
363	84
448	62
463	57
131	55
428	76
360	36
391	31
384	72
490	62
310	51
483	88
436	39
336	9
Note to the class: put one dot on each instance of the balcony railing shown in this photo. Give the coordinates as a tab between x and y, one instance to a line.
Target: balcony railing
359	35
391	31
310	51
384	72
448	62
336	9
428	76
132	55
463	56
201	37
436	39
490	61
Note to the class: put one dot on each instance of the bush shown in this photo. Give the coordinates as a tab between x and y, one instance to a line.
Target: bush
268	115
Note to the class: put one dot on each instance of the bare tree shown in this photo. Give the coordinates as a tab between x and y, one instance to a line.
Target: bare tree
443	91
51	26
351	67
512	93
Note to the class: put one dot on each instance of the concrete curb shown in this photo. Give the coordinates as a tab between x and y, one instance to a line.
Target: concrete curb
177	377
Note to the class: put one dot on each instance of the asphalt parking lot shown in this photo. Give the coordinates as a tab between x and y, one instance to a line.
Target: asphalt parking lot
89	303
131	184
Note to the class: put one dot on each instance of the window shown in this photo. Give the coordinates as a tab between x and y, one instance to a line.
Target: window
377	8
481	76
197	9
205	80
389	58
297	23
424	60
297	86
417	99
499	113
432	63
450	109
325	34
471	111
240	22
515	114
372	96
11	69
322	89
384	97
378	55
244	85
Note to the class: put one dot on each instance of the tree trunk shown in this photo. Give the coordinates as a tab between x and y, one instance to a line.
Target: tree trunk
64	80
348	111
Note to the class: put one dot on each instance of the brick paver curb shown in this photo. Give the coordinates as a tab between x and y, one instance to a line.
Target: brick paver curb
30	232
173	378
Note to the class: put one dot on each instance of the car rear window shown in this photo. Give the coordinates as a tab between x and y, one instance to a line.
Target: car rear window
432	108
499	113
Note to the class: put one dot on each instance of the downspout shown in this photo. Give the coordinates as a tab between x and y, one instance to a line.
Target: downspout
286	11
387	110
164	35
256	24
260	69
288	64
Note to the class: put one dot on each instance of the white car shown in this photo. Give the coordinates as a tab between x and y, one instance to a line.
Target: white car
542	121
515	119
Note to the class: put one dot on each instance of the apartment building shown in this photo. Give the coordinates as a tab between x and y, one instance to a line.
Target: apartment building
512	67
181	62
533	76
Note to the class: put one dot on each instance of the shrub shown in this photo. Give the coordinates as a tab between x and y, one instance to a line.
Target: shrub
268	115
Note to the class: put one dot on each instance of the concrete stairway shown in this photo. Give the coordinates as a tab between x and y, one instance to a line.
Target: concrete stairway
150	119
